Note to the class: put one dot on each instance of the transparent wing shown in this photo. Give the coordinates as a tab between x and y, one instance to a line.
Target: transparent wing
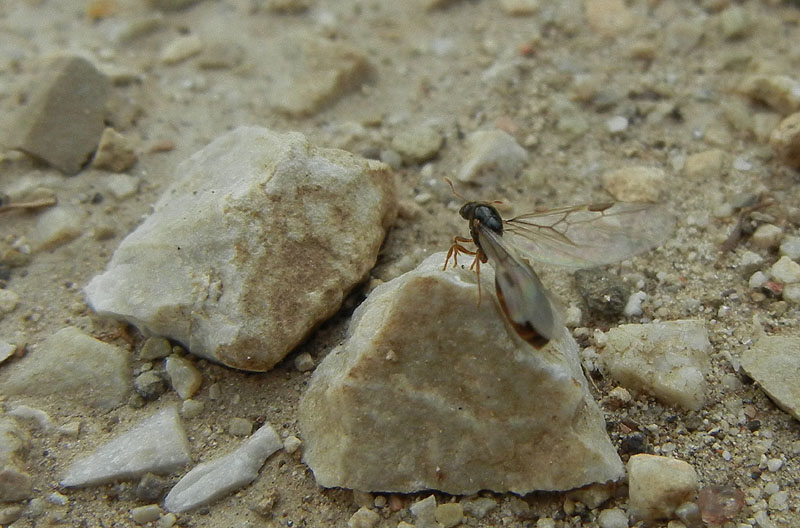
521	294
589	235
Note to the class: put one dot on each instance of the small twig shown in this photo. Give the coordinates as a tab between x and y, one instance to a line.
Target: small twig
36	204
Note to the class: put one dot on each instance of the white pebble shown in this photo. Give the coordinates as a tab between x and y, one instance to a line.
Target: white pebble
785	271
8	301
612	518
791	293
617	124
291	444
633	307
774	464
790	247
757	280
767	236
304	362
146	514
742	164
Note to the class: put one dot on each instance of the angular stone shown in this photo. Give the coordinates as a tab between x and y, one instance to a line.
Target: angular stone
311	72
114	153
772	362
72	365
212	480
707	165
780	92
183	375
256	244
450	394
658	485
492	152
63	121
158	445
668	359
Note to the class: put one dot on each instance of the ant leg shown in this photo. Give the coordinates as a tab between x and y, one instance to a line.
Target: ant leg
455	249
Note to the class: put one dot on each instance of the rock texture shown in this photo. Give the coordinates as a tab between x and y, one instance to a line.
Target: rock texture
255	244
445	394
773	363
156	445
212	480
63	121
72	365
668	360
658	485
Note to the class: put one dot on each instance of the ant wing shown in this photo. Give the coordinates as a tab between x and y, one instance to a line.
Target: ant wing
522	296
589	235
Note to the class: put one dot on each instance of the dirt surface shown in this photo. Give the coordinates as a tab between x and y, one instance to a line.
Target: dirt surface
553	80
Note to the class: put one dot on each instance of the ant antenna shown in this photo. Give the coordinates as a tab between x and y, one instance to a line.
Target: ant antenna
452	188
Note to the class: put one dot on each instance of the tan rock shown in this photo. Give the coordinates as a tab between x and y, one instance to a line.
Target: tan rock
785	140
658	485
635	184
445	393
608	17
709	165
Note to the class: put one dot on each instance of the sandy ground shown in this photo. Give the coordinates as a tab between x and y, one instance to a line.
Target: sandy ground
552	80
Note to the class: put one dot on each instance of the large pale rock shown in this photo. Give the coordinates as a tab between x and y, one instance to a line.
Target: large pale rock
75	366
773	363
669	360
431	391
158	444
255	244
214	479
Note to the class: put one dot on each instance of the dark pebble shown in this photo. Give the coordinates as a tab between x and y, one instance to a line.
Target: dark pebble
603	293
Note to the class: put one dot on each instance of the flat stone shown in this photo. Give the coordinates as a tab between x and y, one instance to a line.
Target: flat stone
452	396
519	7
146	514
157	444
635	184
785	140
181	48
155	348
114	153
71	365
707	165
668	360
780	92
63	120
363	518
311	72
772	362
658	485
271	233
209	481
790	247
492	153
9	299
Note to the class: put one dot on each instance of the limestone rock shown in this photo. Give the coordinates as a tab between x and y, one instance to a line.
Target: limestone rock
311	72
658	485
211	480
114	153
492	152
158	444
63	121
255	244
772	363
71	364
448	393
667	359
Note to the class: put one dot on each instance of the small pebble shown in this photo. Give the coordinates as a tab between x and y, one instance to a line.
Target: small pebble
620	394
425	511
478	508
417	144
364	518
291	444
785	271
779	501
304	362
6	350
492	153
114	153
180	49
717	504
167	521
380	501
774	464
791	293
633	308
780	92
121	186
767	236
449	514
150	385
58	225
612	518
155	348
635	184
240	427
192	408
519	7
8	301
617	124
183	375
735	22
146	514
790	247
708	165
